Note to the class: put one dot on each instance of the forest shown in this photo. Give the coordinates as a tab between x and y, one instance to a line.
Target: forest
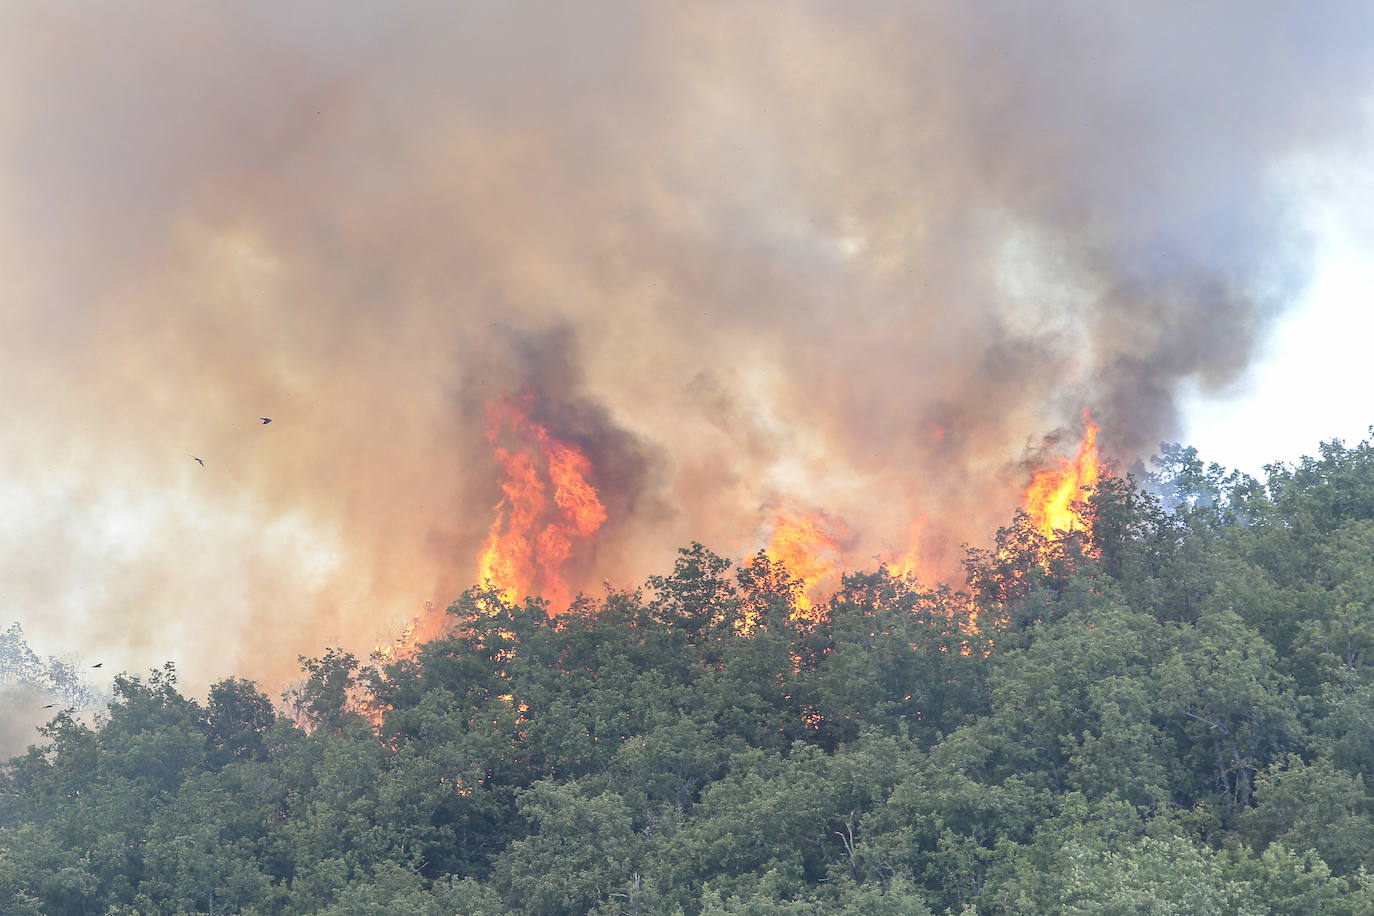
1169	711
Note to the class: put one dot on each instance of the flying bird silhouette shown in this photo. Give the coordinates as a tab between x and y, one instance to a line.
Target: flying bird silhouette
50	706
202	462
97	664
265	420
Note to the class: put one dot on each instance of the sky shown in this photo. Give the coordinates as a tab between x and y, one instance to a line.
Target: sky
866	264
1310	380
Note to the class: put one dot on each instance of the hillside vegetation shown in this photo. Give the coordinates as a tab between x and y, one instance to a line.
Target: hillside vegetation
1172	714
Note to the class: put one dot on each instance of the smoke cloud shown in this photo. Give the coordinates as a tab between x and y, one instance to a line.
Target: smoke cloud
20	717
869	258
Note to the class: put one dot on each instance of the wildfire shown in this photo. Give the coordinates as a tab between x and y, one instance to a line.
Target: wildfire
1049	498
809	547
550	511
403	645
547	507
911	564
429	624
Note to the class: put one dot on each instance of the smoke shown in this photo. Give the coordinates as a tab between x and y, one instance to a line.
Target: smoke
33	689
861	257
20	716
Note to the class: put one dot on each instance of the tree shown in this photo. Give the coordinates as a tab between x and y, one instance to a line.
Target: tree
325	701
582	849
1152	877
1236	710
1284	883
696	599
1314	806
238	721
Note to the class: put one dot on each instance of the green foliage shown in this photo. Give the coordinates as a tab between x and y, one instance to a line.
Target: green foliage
1285	883
581	849
1314	806
1151	876
1235	708
1169	712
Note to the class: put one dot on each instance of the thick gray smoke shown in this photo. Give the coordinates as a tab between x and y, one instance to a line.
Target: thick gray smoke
860	257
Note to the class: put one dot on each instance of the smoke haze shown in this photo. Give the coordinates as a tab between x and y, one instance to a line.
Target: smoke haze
870	258
21	713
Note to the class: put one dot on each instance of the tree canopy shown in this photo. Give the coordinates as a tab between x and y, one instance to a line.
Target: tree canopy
1169	712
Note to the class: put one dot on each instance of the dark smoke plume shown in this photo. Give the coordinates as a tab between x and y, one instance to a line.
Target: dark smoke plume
860	256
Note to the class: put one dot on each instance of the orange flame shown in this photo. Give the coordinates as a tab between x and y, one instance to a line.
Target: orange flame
911	564
402	646
809	548
1049	498
534	533
429	624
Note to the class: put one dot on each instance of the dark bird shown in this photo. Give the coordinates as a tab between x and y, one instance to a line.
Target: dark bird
50	706
202	462
265	420
97	664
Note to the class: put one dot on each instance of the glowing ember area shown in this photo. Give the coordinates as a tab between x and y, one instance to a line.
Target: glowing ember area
402	646
809	548
547	507
431	623
1050	497
909	565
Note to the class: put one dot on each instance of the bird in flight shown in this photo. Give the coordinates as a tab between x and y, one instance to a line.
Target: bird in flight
50	706
97	664
201	460
265	420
